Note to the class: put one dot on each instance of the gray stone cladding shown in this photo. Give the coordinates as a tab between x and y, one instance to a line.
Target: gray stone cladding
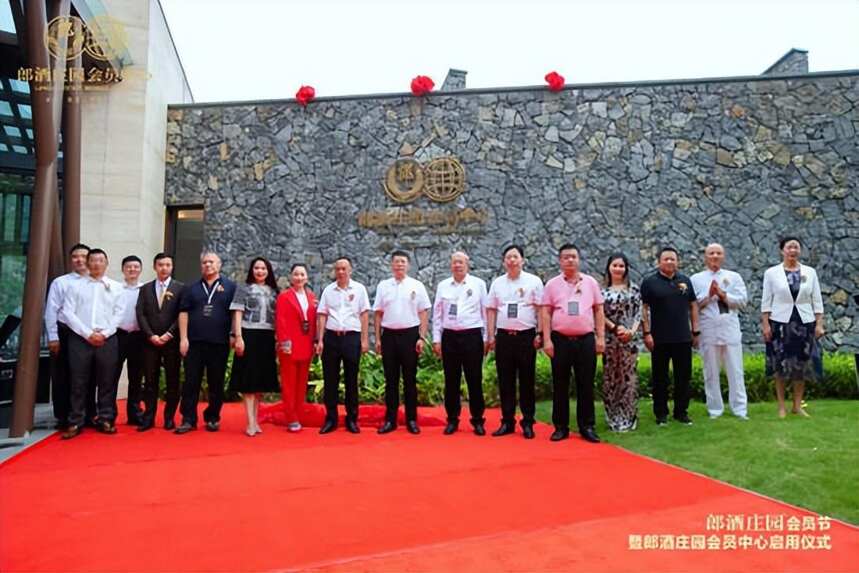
611	167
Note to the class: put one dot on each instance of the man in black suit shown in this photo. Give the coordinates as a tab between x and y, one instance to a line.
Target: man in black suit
157	312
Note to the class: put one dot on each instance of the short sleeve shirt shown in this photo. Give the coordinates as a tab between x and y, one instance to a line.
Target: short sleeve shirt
517	301
257	304
401	302
668	299
344	306
571	304
208	310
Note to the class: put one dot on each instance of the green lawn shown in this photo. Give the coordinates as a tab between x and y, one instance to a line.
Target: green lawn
809	462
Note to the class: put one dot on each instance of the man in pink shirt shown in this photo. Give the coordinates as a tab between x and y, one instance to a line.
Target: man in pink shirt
573	335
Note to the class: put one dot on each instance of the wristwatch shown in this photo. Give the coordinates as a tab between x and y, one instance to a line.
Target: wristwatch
696	333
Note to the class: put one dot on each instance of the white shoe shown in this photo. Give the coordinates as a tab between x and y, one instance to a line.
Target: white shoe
257	429
714	416
294	427
250	432
742	417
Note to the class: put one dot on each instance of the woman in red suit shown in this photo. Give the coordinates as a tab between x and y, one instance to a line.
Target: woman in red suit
295	329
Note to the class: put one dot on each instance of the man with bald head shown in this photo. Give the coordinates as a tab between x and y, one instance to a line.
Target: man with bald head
204	341
458	336
721	294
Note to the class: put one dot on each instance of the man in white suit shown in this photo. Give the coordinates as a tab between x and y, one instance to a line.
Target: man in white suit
721	294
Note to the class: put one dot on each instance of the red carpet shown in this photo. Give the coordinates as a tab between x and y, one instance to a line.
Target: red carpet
280	501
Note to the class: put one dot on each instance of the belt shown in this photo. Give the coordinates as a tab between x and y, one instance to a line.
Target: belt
571	336
465	332
525	332
340	332
399	331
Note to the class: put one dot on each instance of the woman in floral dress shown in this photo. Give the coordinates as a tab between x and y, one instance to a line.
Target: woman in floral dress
620	361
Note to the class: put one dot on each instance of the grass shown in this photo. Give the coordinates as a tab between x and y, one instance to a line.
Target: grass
809	462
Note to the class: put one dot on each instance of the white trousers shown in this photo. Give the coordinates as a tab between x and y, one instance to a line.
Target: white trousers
730	356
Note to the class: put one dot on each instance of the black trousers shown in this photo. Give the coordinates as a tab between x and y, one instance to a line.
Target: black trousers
87	362
516	357
340	349
210	358
61	389
153	358
679	354
400	357
131	351
462	352
576	354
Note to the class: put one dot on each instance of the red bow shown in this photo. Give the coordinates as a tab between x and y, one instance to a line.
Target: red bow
305	95
555	81
422	85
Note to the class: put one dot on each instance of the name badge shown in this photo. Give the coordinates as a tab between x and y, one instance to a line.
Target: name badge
305	326
208	309
573	308
451	310
512	310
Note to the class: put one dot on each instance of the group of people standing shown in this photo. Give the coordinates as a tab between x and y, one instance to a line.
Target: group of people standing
95	325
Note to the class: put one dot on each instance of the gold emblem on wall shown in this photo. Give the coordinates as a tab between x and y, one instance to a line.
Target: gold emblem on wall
404	180
442	180
67	37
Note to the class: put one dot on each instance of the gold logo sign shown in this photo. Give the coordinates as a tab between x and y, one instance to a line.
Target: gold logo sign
67	37
442	180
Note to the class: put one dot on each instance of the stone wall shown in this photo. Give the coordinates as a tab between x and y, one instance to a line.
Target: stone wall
613	167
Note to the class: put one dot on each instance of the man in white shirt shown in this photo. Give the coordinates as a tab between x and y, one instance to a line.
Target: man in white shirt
400	307
458	332
721	293
513	329
343	318
130	338
58	338
93	309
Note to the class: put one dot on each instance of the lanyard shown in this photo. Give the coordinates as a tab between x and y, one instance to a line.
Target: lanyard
214	288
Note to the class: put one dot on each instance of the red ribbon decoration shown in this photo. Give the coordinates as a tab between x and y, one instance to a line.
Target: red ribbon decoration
422	85
555	81
305	95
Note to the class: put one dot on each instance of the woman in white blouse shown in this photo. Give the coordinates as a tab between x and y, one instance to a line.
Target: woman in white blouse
792	323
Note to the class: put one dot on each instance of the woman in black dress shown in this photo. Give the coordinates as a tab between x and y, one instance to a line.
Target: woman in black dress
254	366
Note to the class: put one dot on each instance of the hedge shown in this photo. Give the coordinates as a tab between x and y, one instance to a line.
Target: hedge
839	379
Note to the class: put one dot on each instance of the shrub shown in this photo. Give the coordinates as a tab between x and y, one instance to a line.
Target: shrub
839	379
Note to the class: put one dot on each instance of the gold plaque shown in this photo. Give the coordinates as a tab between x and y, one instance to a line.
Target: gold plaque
404	180
445	179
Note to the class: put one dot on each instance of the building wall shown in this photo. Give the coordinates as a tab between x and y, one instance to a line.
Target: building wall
620	167
123	140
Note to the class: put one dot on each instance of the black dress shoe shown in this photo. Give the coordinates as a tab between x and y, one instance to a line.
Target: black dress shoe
504	429
72	432
560	434
145	426
328	427
590	435
352	427
169	425
412	427
451	428
479	430
684	419
213	426
387	427
106	427
61	425
528	431
184	428
133	421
